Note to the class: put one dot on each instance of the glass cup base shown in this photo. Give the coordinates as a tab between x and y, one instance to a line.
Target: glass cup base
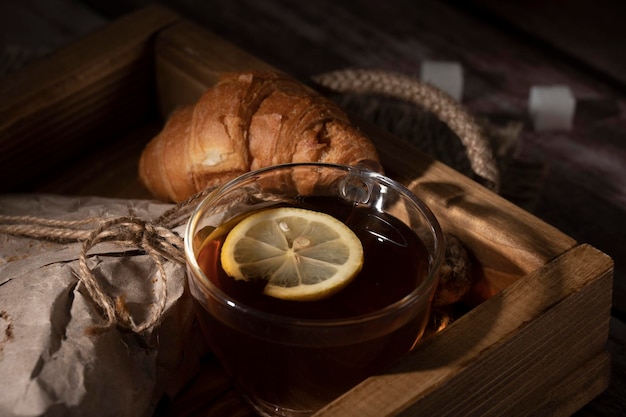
265	409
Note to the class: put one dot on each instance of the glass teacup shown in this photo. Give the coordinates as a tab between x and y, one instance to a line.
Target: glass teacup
291	358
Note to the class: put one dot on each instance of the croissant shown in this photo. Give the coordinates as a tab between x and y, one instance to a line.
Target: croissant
245	122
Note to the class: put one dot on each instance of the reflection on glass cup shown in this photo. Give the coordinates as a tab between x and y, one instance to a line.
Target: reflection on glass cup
290	358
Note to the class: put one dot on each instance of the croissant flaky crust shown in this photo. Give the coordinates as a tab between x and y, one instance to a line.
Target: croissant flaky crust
245	122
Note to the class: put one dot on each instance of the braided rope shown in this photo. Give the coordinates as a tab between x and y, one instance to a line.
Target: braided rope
37	227
156	241
429	98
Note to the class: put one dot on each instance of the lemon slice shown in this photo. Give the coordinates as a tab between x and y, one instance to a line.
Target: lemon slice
303	254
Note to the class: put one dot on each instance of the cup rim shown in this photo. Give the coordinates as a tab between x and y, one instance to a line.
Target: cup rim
406	302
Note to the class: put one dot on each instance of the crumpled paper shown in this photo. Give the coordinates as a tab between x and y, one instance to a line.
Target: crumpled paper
54	359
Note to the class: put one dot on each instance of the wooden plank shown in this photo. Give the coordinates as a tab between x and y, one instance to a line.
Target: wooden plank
110	172
576	390
583	34
611	401
32	29
190	59
98	87
494	359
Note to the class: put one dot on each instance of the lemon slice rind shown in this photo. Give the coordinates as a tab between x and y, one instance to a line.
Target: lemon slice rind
303	254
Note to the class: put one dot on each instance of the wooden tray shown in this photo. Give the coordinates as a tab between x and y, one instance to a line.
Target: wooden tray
76	123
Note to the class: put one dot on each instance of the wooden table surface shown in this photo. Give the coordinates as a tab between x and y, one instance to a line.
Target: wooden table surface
505	48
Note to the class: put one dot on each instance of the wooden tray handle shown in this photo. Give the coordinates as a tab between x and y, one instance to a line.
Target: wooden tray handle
428	98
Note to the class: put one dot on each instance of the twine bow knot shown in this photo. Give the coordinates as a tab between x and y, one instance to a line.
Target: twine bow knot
158	242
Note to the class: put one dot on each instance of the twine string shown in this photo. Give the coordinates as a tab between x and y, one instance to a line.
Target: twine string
179	214
40	228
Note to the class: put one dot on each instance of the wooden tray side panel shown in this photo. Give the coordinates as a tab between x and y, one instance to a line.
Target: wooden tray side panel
88	92
506	240
190	59
575	390
503	354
